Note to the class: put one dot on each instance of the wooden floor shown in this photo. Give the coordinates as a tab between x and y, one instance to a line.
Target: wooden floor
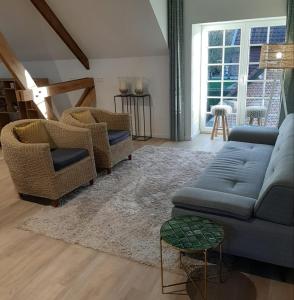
36	267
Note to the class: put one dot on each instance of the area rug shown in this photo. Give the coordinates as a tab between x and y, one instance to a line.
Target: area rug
122	213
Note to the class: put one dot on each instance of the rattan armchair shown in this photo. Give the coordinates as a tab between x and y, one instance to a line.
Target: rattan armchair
106	155
31	165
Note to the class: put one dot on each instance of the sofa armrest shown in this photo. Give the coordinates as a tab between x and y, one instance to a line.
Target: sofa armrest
214	202
254	134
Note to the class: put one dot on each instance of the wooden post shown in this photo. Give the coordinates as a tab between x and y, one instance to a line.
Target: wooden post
22	76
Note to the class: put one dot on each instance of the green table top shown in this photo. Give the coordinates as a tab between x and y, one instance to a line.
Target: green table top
191	233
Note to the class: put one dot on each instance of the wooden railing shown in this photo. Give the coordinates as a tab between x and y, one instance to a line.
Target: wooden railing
39	94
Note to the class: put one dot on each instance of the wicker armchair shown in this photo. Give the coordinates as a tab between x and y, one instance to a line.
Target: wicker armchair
106	154
31	165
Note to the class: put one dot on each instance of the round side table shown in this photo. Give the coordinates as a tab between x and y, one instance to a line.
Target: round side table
191	235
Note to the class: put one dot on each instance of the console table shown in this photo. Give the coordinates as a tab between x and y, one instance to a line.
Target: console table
135	105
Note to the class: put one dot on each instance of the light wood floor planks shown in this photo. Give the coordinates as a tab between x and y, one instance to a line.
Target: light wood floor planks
35	267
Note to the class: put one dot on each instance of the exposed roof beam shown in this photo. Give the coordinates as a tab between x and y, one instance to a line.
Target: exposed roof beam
56	89
58	27
14	66
88	98
22	76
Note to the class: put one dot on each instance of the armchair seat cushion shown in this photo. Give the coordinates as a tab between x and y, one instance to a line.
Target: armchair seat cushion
116	136
65	157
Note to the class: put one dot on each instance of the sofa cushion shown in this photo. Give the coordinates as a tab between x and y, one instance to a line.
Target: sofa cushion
239	169
254	134
214	202
84	117
276	199
33	132
65	157
116	136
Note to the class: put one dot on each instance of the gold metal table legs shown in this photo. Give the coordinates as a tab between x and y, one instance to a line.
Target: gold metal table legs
182	291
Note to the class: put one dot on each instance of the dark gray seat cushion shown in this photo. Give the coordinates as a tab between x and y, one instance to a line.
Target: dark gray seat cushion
238	169
116	136
214	202
63	158
254	134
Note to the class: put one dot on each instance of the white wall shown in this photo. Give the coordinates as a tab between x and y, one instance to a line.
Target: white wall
160	10
204	11
106	72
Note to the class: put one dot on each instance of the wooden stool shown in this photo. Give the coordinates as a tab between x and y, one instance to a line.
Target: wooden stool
220	115
256	112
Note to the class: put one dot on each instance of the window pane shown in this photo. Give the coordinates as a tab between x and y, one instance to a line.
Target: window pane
233	37
254	102
254	55
277	35
209	120
254	73
215	38
232	55
214	72
232	103
273	112
255	89
273	74
231	72
215	56
258	35
211	102
232	120
230	89
269	87
214	89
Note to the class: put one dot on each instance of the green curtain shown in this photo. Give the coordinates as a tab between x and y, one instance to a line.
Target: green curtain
176	69
289	73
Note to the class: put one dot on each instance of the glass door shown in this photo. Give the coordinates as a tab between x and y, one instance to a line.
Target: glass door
260	82
229	69
221	74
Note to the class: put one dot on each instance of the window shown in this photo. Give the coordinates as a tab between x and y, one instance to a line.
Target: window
259	81
229	69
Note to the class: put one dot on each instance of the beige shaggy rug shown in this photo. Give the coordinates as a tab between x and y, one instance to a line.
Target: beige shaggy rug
122	213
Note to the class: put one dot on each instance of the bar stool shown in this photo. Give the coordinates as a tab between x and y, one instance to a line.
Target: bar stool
256	112
220	113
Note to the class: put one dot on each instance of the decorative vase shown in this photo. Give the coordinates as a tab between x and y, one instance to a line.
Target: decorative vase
123	86
139	87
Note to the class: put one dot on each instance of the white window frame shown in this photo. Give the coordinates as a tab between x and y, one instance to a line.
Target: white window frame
245	26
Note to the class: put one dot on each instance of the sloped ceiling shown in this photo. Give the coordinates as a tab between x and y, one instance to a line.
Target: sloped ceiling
102	29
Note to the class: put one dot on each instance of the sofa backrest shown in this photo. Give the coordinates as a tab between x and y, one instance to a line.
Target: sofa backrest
276	198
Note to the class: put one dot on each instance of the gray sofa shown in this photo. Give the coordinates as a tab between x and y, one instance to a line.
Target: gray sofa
249	188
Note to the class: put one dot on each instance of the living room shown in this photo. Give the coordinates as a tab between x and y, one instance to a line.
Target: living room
147	149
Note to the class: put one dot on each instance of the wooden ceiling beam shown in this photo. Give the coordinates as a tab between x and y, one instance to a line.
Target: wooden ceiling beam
55	89
88	98
21	75
14	66
58	27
